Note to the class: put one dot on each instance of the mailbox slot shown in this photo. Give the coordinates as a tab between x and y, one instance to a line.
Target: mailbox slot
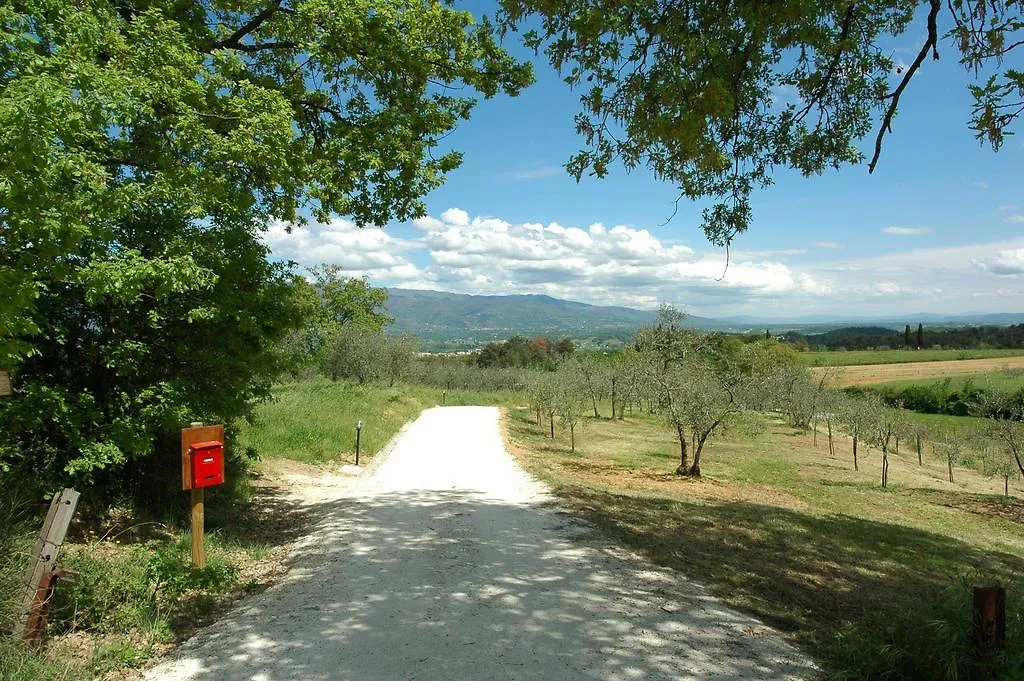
207	459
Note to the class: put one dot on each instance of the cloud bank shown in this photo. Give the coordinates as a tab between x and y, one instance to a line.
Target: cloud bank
631	266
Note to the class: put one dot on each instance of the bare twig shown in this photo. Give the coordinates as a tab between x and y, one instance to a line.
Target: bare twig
929	45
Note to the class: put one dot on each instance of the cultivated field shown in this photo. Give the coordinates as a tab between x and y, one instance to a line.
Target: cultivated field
858	357
866	374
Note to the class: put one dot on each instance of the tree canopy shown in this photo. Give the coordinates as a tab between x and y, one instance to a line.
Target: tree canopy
690	88
223	113
144	146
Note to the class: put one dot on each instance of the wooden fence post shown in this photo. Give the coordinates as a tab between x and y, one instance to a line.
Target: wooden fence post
48	546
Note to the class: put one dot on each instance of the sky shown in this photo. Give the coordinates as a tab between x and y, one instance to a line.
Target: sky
938	227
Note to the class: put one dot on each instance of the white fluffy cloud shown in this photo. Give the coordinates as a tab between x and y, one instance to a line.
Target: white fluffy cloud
600	264
1009	262
368	251
631	266
907	231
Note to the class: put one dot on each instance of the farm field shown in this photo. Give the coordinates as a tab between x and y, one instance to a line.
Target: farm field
841	376
859	576
1006	381
859	357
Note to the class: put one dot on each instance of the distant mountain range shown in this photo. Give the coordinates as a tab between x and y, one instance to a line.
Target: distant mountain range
446	321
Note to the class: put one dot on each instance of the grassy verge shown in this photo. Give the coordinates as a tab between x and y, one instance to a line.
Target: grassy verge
858	357
315	421
134	592
873	583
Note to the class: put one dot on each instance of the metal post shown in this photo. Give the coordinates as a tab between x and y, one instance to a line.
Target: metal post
359	431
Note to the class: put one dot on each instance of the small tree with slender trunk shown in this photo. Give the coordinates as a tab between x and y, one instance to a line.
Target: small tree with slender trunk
859	415
1005	423
951	447
887	426
568	398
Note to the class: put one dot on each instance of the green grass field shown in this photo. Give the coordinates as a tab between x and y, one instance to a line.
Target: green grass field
859	357
871	582
314	421
1004	381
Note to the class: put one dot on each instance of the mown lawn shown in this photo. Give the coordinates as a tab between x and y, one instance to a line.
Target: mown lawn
872	582
858	357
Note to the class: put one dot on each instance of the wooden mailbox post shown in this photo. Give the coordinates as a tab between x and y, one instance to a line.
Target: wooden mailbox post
194	434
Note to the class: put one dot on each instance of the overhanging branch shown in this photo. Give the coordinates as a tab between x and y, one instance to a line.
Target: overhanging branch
894	98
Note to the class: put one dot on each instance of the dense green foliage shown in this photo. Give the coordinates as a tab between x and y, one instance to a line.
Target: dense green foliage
144	146
946	396
519	352
871	337
690	89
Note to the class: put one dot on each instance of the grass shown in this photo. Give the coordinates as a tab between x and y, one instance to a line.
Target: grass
1003	381
873	583
314	421
859	357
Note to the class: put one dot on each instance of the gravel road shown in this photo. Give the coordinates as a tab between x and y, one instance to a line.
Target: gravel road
450	563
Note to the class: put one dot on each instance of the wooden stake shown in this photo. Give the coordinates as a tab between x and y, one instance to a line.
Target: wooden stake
198	549
197	432
48	546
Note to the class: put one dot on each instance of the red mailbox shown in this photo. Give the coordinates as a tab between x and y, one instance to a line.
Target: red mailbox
207	459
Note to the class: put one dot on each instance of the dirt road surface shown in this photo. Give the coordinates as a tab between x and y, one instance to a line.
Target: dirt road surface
866	374
450	563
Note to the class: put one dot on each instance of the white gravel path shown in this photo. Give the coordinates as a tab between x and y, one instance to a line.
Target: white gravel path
450	563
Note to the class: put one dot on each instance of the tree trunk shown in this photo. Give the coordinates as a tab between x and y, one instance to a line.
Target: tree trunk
1006	485
920	462
683	458
897	452
572	437
855	467
885	468
814	424
593	397
695	466
613	397
950	462
551	419
831	447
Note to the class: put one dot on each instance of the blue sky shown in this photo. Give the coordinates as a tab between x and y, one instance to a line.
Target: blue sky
939	226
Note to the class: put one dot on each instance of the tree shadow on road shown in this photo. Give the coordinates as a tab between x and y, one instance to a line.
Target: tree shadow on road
454	585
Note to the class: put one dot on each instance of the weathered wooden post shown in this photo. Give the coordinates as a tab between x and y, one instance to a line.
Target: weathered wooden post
5	384
990	617
41	574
